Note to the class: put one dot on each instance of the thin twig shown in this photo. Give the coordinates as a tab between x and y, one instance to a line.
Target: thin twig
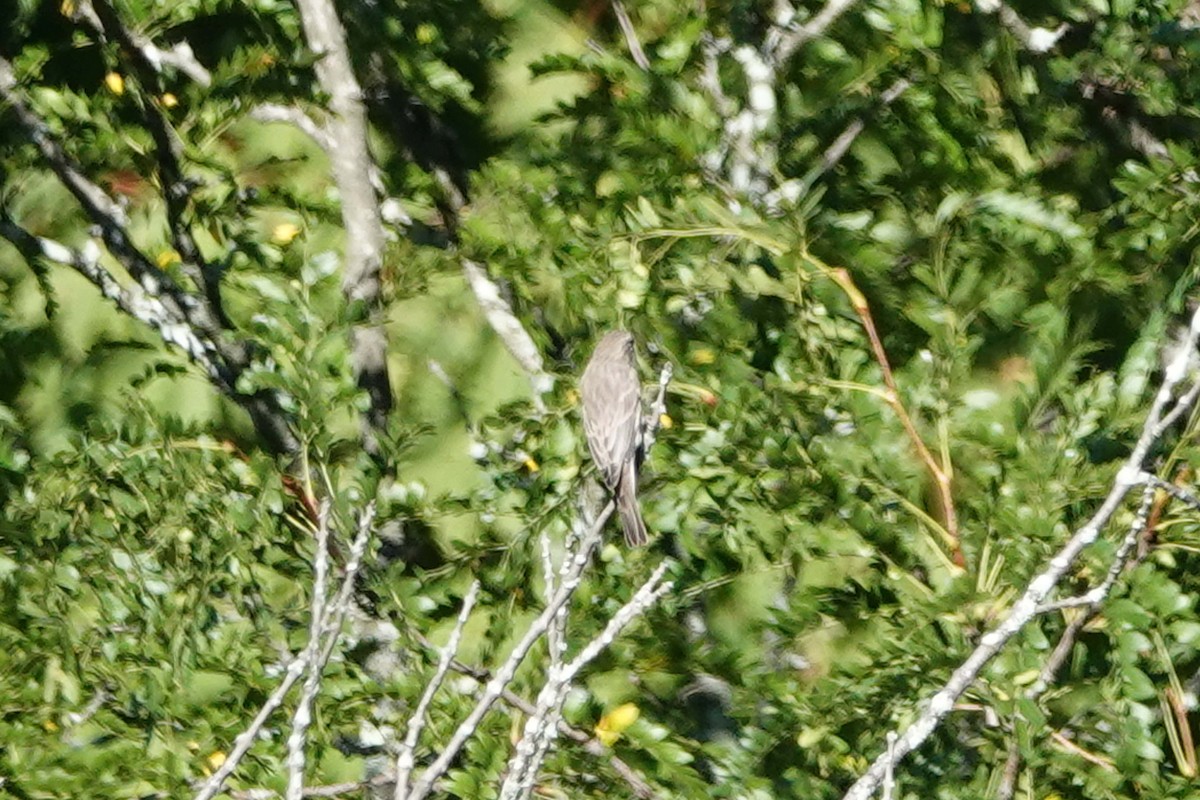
1178	492
504	676
1096	596
537	745
631	37
512	333
941	473
245	739
590	744
1070	746
658	408
180	56
531	750
841	145
1093	601
416	723
314	656
274	112
789	41
302	717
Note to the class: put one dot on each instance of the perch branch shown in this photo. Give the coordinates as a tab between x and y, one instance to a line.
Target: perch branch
504	676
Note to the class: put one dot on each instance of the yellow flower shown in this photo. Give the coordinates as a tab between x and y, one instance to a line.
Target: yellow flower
50	725
615	722
215	760
167	257
702	355
284	232
665	421
115	83
169	100
530	464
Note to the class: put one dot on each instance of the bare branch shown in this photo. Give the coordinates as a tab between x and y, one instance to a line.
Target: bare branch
273	112
352	165
405	759
1093	601
1041	586
183	319
631	37
793	37
186	321
504	322
653	419
179	57
1178	492
245	739
889	777
314	656
710	75
590	744
1037	40
789	191
302	717
1097	595
541	726
495	687
133	300
168	150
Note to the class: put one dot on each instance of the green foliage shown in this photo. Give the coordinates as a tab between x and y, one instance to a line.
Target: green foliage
1021	255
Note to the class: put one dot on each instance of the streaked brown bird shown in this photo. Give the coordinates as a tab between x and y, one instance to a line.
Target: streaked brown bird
612	422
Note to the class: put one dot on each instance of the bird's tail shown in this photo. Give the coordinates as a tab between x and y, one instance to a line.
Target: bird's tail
627	507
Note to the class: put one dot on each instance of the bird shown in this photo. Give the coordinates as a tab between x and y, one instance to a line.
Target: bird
612	423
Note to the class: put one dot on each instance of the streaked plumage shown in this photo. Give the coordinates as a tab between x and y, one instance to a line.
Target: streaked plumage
612	422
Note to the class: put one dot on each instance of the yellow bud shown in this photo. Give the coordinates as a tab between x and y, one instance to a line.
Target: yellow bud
530	464
284	232
169	100
615	722
426	33
665	421
215	759
50	725
167	257
67	8
115	83
702	355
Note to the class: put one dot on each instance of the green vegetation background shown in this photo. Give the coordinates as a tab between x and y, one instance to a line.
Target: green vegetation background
1022	250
